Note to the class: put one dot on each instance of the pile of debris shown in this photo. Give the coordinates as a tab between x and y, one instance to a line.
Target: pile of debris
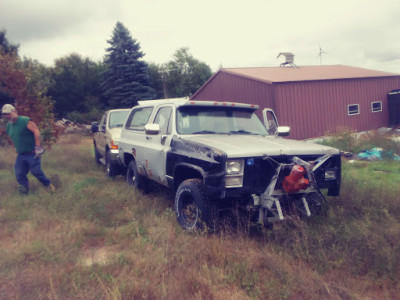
374	153
378	153
72	127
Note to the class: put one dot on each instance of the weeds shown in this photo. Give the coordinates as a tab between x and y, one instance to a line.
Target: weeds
96	238
355	143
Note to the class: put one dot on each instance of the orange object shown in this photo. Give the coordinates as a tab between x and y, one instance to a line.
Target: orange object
113	146
295	181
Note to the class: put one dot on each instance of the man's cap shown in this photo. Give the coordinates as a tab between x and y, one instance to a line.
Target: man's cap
7	108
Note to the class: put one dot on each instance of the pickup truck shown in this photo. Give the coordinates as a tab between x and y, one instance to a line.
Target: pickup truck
105	140
218	156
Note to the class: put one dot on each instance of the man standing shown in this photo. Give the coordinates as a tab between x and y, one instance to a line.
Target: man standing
25	136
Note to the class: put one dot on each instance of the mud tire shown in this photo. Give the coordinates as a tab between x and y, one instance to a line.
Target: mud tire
134	179
111	168
97	155
193	209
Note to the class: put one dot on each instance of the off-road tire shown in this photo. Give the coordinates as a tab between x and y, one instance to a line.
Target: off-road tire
134	179
316	203
112	169
192	207
97	155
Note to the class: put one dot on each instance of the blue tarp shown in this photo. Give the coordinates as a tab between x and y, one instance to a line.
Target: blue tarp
377	154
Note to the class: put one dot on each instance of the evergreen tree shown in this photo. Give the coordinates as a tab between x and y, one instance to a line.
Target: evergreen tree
5	46
125	79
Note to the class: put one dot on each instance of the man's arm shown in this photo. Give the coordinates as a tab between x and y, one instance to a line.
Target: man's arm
35	130
4	134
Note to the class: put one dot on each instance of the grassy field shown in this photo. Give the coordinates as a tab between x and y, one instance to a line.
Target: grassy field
95	238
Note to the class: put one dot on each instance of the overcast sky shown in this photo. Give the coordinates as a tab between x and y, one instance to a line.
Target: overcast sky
220	33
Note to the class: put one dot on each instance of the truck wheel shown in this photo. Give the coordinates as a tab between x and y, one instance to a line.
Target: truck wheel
134	179
97	155
193	209
315	203
112	169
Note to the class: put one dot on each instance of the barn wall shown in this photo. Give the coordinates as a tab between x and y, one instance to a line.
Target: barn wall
316	108
227	87
310	108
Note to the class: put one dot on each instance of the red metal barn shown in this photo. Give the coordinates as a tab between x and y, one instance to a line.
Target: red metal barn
312	100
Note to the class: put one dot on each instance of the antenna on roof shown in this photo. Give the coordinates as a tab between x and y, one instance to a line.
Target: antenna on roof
289	59
320	54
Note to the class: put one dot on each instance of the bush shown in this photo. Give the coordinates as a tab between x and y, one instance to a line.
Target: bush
85	118
355	143
75	117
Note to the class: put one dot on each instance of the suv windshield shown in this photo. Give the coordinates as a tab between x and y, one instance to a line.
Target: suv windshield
218	120
117	118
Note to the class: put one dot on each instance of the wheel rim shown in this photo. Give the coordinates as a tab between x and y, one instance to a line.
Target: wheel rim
189	211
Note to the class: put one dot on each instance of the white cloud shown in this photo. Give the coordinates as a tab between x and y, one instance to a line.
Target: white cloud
230	33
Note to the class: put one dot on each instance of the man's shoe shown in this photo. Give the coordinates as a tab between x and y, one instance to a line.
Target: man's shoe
51	188
23	190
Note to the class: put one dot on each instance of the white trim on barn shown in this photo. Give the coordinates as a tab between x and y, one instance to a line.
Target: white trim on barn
353	109
376	106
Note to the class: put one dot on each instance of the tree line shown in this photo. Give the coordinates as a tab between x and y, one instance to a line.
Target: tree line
80	89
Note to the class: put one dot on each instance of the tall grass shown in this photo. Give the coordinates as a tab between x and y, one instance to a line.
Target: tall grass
95	238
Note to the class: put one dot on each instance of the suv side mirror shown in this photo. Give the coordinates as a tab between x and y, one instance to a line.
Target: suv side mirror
270	121
95	127
283	131
152	129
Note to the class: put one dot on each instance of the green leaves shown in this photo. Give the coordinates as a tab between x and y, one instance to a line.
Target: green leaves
125	80
180	77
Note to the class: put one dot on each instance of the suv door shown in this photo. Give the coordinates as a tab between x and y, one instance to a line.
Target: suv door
159	144
133	137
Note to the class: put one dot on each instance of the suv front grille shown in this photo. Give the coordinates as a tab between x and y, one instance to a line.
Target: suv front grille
258	176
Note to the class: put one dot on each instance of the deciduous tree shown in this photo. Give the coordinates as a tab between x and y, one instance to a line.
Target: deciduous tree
75	84
20	85
185	74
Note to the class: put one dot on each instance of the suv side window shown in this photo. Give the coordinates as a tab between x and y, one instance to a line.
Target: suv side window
163	117
138	118
102	126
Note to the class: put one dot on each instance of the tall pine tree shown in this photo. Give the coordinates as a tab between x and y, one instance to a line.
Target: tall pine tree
125	79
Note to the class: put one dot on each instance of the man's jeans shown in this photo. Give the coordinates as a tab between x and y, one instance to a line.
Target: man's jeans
26	162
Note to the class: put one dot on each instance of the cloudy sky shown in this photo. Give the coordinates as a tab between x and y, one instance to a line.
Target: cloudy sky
220	33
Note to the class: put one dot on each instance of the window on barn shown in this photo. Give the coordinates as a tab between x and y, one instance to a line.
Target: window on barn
353	109
376	106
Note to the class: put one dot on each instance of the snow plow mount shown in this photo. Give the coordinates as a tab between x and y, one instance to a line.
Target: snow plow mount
292	189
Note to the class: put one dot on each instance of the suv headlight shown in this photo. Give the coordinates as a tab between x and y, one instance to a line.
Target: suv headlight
330	174
234	167
234	173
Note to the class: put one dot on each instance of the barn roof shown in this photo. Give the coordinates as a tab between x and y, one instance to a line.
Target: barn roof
305	73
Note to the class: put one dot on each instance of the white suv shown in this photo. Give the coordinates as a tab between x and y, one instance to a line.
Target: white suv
219	156
105	140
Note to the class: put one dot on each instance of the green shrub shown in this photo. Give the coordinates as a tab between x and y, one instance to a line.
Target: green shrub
85	118
355	143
